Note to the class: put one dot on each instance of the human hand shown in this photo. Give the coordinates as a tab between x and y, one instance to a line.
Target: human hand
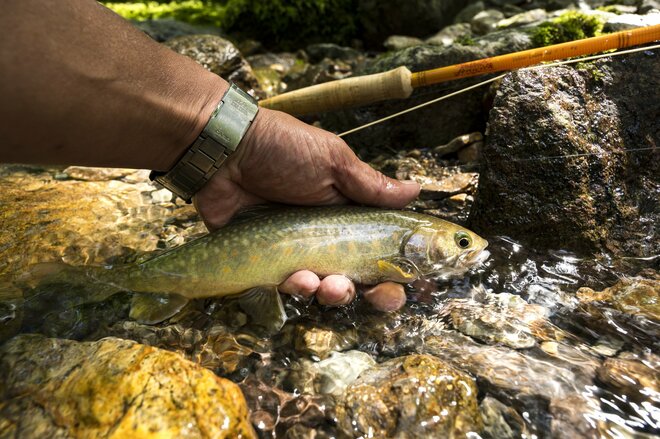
282	159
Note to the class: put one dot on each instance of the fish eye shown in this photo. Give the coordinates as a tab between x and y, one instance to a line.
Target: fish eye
462	239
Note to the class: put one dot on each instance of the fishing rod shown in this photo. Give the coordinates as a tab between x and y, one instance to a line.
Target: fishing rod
399	83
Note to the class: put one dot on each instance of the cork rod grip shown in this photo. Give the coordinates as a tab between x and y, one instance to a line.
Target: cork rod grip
349	92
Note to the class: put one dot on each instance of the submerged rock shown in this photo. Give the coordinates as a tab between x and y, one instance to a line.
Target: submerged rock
637	378
218	56
408	397
62	388
630	296
571	158
330	376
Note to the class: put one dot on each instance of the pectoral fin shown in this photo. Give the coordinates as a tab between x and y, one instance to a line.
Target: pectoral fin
398	270
151	308
265	308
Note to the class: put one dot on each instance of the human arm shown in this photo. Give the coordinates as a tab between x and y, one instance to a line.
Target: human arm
81	86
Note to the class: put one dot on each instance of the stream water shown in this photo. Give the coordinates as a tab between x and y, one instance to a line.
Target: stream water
550	352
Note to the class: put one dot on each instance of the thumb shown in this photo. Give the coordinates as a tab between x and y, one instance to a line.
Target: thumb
360	182
219	199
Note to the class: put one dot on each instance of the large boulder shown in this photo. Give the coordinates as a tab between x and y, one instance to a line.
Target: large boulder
571	158
113	388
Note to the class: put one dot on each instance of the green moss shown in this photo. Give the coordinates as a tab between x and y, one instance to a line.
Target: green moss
591	68
611	8
285	24
569	26
465	40
189	11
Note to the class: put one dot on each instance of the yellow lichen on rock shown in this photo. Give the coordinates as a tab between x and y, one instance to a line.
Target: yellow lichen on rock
114	388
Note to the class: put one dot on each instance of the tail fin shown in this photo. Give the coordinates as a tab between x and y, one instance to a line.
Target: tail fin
69	285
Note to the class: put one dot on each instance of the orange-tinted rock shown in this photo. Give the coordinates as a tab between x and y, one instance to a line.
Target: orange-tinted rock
113	388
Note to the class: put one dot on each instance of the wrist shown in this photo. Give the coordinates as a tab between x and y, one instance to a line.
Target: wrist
220	137
196	115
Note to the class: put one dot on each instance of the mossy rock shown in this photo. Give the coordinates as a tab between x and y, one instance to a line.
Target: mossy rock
569	26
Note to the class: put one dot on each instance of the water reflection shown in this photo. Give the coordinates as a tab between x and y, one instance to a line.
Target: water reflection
555	344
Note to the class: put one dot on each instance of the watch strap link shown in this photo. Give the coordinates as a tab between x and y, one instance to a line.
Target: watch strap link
219	139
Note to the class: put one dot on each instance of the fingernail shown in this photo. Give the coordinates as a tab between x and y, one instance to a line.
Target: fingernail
409	182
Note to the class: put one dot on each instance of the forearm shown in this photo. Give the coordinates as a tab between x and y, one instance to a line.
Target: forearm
79	85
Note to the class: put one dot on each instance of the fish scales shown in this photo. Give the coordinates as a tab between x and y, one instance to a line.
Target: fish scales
267	249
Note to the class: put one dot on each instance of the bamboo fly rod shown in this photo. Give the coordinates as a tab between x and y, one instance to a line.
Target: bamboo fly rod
400	82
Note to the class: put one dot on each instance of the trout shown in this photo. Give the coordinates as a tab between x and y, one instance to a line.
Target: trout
255	253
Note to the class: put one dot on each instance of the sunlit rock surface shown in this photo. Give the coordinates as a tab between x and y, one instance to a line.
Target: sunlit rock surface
113	388
85	216
571	157
409	397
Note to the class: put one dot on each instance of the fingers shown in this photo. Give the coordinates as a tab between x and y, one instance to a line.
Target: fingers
386	297
360	182
337	290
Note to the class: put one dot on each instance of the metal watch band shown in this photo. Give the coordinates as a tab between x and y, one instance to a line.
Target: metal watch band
219	139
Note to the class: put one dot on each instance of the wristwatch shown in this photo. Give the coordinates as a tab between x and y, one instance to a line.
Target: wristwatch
219	139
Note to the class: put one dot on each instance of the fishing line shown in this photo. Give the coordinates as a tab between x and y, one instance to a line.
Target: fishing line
488	81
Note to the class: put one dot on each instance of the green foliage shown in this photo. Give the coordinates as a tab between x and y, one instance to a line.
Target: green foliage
190	11
285	24
569	26
293	23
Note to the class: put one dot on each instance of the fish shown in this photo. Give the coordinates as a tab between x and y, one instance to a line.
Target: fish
255	253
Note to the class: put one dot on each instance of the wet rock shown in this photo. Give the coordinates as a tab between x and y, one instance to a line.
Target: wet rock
575	175
320	342
435	124
449	34
218	56
274	411
62	388
637	378
486	21
96	218
398	42
634	296
648	6
166	29
621	22
311	74
459	143
524	18
418	18
500	421
407	397
330	376
318	52
525	381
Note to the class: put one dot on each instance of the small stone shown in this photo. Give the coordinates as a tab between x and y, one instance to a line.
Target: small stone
622	22
161	196
398	42
527	17
320	342
470	153
486	21
449	34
